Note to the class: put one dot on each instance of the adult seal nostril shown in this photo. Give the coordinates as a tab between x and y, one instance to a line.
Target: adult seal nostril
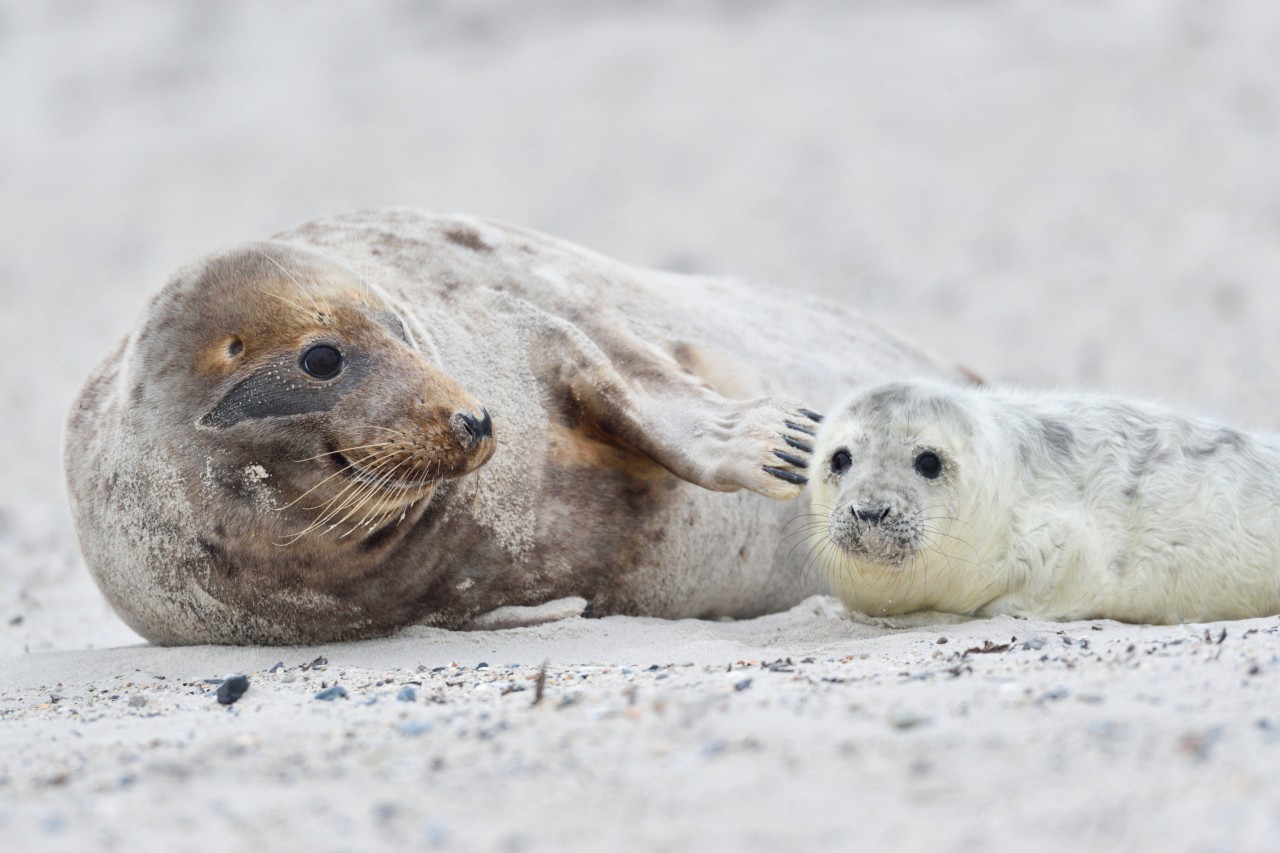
471	430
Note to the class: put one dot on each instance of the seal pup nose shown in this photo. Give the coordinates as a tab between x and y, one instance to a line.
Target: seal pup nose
870	513
472	430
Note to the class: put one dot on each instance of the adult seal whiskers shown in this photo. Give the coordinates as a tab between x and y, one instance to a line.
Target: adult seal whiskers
396	417
983	501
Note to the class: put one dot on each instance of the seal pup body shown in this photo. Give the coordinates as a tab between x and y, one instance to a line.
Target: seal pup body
983	501
500	420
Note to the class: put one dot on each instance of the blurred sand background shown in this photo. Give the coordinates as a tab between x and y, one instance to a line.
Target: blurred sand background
1081	194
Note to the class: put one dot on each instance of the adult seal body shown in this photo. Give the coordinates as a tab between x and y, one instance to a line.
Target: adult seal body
988	501
395	417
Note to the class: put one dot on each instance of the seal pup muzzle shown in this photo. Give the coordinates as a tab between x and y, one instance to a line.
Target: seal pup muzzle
982	501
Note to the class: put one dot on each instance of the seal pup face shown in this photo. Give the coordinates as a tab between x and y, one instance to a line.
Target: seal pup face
888	476
310	397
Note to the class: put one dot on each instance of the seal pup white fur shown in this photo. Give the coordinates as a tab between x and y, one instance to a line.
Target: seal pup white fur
985	501
393	417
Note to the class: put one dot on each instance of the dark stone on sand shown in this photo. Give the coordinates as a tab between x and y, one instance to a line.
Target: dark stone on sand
337	691
232	689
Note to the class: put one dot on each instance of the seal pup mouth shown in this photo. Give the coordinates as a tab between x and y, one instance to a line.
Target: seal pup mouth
873	532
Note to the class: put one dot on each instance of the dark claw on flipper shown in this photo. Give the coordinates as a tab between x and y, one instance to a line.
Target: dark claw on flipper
798	428
791	459
786	475
813	416
796	443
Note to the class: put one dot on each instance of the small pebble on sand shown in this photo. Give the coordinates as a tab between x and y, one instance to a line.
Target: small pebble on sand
904	719
232	689
337	691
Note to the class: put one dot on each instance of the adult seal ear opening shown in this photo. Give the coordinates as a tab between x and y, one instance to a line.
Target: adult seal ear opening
396	417
1060	506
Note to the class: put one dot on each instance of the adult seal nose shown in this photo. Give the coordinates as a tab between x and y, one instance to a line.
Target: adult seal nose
471	430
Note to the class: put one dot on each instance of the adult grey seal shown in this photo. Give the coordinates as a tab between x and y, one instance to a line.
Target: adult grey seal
395	417
982	501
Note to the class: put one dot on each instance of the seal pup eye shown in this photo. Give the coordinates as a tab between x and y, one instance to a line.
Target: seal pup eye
322	361
841	461
928	465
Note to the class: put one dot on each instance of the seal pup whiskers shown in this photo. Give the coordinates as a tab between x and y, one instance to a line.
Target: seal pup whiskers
983	501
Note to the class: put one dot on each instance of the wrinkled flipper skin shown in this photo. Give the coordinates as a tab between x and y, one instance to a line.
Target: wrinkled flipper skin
646	401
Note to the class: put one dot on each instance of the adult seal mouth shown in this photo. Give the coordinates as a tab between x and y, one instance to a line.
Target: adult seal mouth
394	417
400	469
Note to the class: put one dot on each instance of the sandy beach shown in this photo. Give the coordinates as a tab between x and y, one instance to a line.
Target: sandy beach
1078	196
796	731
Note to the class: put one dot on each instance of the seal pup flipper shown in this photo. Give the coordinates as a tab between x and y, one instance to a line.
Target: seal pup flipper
918	619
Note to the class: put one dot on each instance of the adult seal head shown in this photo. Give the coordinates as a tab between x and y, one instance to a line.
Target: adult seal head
982	501
272	423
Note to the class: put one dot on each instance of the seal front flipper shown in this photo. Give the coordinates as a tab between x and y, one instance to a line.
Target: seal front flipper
643	399
719	444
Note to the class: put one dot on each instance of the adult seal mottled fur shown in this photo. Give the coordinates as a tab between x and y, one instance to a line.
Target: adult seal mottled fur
984	501
395	417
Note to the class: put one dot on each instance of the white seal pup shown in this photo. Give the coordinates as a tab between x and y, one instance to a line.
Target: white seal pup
983	501
396	417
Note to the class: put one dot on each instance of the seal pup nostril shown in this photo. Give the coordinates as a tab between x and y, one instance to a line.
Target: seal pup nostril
872	514
486	425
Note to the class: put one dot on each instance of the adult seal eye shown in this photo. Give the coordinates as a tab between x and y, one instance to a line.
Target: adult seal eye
322	361
928	465
841	461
